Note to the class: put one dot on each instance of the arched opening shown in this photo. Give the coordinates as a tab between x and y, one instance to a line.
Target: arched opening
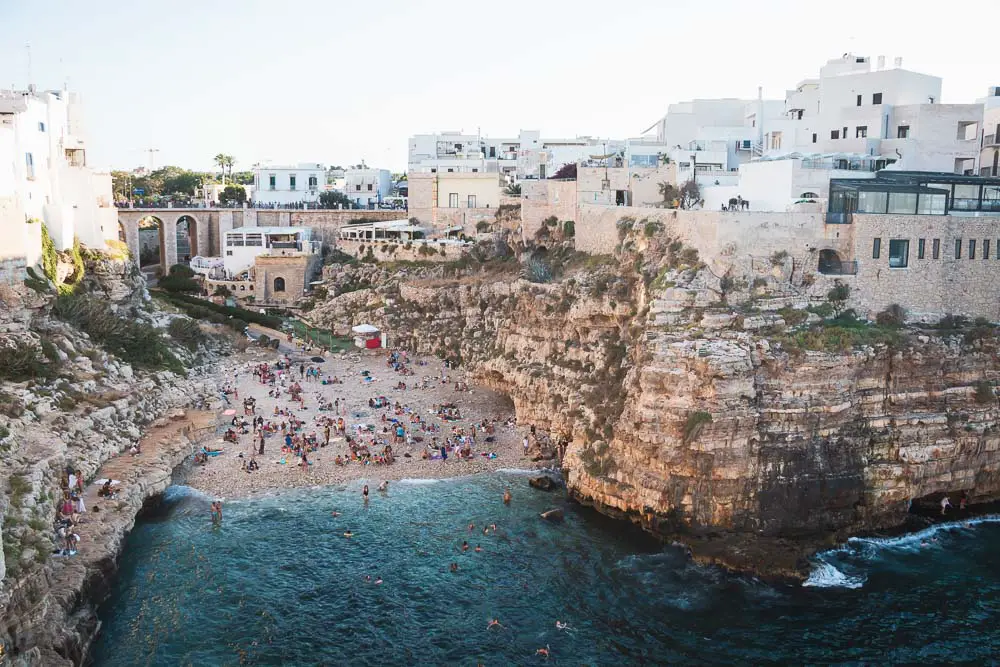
829	262
808	195
187	239
279	284
122	237
150	241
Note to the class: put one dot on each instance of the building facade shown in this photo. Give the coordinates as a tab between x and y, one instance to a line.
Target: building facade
288	185
45	177
366	188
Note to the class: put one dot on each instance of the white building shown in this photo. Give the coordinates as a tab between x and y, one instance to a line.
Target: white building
366	188
284	185
895	115
242	246
528	156
989	155
44	177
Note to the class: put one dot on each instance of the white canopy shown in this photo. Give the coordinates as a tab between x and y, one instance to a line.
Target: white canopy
364	329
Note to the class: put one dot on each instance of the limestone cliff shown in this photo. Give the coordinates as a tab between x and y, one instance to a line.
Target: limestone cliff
66	401
693	407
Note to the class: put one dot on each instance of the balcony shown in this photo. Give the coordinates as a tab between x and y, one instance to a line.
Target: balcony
990	140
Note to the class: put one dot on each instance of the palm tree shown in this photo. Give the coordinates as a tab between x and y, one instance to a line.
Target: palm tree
221	160
230	161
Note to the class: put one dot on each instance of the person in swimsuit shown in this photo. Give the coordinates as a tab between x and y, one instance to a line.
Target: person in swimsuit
348	534
364	492
543	651
465	546
494	623
506	496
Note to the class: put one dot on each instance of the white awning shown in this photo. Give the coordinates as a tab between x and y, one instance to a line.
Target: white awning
364	329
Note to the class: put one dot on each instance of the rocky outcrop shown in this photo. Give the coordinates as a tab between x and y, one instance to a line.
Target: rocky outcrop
753	438
75	406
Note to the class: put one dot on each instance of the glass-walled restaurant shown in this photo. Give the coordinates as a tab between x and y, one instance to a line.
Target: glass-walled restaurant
913	193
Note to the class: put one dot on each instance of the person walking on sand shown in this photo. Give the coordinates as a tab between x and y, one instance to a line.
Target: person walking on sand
524	443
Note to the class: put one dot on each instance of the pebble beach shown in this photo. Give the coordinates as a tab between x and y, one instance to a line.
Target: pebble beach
224	476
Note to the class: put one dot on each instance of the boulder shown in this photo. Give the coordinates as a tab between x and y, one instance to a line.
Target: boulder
543	483
553	515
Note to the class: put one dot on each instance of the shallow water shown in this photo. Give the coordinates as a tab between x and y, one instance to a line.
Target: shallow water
279	584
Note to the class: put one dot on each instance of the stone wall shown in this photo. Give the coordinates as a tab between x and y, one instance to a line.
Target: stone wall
296	271
541	199
404	251
928	288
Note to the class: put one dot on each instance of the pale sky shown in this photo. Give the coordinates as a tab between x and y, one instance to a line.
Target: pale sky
337	82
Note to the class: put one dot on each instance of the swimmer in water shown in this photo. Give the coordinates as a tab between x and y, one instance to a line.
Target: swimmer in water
493	527
465	546
364	492
368	577
348	534
471	527
478	548
453	567
495	623
543	651
334	513
378	580
506	496
562	626
384	486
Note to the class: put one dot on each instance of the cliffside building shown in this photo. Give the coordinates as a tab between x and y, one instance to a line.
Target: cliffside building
285	185
45	179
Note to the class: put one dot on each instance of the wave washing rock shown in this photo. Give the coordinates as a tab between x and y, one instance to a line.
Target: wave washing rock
755	447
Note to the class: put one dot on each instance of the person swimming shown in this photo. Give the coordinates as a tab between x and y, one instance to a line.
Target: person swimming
494	623
506	496
348	534
465	546
478	548
384	486
334	513
543	651
378	580
562	626
472	527
453	567
364	492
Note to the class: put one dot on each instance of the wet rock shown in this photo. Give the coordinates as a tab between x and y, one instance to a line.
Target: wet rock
543	483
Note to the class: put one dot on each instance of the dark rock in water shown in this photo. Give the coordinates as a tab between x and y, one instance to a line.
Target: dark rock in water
553	515
543	483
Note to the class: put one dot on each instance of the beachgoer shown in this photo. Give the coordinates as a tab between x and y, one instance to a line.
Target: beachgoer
945	504
494	623
543	651
453	567
562	626
465	546
348	534
478	548
364	492
384	486
378	580
506	496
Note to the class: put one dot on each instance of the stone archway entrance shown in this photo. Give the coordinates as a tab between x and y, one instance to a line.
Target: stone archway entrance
187	239
151	243
830	263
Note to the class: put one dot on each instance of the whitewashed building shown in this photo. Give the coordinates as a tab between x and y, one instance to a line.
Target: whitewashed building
285	185
989	154
242	246
366	188
45	177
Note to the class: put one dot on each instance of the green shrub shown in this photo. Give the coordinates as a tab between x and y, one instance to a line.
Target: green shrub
893	316
186	332
695	423
202	309
180	279
652	228
569	229
20	361
837	297
984	393
50	259
132	341
792	316
779	258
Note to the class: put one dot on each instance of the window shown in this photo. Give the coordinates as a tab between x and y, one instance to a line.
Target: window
270	182
872	202
369	187
936	249
920	248
41	126
861	131
357	188
814	137
775	140
968	129
902	132
291	182
844	133
899	251
986	248
451	170
903	202
254	240
972	248
932	204
958	248
859	100
29	160
472	201
453	200
877	248
279	284
835	134
877	98
475	170
313	182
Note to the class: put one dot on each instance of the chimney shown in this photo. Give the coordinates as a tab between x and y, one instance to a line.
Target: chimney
898	62
881	63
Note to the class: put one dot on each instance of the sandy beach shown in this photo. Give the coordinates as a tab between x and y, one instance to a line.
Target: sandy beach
223	475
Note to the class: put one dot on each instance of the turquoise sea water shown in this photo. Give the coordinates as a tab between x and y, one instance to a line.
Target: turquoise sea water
277	583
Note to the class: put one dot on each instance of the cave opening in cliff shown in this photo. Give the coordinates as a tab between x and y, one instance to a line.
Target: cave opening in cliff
941	505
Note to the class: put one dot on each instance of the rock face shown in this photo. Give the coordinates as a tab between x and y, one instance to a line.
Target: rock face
82	408
722	425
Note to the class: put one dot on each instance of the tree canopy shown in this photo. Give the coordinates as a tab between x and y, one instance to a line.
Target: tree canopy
334	199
